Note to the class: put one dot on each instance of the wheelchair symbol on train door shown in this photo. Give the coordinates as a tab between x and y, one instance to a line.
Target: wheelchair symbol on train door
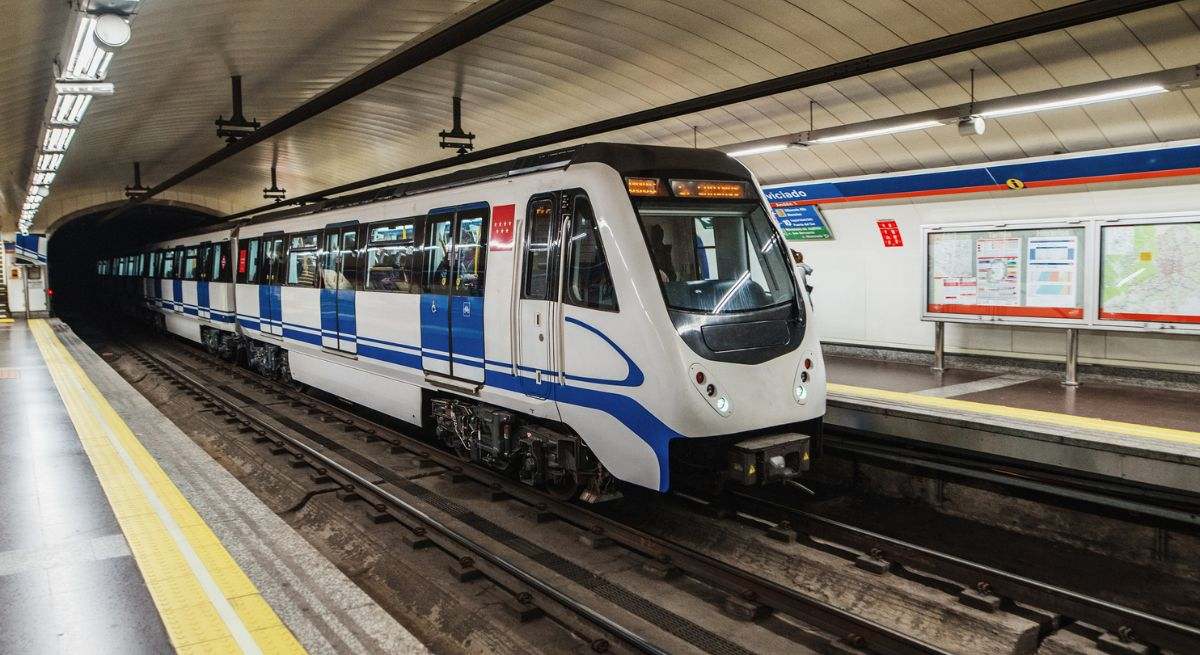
466	310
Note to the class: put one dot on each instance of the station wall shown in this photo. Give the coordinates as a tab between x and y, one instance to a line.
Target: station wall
866	294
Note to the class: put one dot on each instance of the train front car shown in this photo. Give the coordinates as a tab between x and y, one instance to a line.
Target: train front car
687	359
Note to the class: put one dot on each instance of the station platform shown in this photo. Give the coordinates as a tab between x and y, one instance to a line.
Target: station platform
1139	433
118	534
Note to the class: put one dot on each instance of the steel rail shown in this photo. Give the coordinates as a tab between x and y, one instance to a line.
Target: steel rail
362	483
1017	28
844	624
1025	478
408	57
1158	631
1114	617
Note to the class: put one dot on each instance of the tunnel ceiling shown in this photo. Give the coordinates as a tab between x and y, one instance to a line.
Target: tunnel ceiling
568	63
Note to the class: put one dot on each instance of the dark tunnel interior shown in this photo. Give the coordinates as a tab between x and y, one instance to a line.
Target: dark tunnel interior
75	247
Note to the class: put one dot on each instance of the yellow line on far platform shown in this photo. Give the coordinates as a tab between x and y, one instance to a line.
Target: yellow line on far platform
206	602
1032	415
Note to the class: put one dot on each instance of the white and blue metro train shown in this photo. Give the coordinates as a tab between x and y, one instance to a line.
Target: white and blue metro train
595	313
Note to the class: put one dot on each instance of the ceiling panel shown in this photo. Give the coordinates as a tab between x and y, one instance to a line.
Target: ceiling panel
571	62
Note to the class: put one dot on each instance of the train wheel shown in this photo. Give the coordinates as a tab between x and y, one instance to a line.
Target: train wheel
567	487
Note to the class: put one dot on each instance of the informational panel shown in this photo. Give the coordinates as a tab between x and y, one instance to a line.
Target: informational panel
799	219
1027	273
1150	272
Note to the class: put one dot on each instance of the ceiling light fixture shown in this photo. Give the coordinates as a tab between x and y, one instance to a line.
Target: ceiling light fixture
759	150
48	162
866	134
58	139
69	108
1122	94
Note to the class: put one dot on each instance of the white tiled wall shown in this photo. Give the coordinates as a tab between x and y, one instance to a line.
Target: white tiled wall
871	295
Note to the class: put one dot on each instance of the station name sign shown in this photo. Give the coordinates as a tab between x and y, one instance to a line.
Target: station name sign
798	220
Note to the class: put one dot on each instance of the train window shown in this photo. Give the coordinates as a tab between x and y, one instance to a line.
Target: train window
247	262
302	260
392	258
168	269
272	266
470	253
190	256
716	258
589	282
202	262
152	265
219	263
351	273
439	232
539	247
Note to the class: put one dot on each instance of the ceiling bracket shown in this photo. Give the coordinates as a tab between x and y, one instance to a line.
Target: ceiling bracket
274	193
137	190
455	137
237	126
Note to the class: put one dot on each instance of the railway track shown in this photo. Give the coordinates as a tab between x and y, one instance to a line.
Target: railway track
333	459
332	456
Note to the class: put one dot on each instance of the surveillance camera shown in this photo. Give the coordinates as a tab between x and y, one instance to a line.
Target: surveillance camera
971	126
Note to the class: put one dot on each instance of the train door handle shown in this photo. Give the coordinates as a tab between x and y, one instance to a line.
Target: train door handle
538	319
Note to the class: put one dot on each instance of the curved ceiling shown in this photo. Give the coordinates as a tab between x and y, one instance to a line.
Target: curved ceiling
570	62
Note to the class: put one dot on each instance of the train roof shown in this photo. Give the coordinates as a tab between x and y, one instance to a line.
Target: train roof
625	158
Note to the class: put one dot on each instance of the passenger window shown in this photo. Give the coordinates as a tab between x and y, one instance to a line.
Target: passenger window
272	266
539	247
202	262
247	266
302	260
470	254
589	282
437	256
392	258
349	255
168	270
189	263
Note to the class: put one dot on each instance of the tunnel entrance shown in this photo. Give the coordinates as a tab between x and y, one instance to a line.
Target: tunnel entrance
75	247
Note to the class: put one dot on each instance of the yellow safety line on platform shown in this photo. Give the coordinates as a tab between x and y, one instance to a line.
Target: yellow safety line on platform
1034	415
206	602
6	320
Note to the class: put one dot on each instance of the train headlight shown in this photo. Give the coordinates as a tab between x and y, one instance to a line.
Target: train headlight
711	391
805	373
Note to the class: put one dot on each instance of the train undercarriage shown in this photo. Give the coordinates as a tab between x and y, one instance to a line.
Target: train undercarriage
551	456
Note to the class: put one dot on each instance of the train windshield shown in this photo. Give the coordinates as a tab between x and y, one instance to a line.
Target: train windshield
716	258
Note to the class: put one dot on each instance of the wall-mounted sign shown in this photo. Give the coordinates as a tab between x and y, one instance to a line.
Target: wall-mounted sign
890	232
803	223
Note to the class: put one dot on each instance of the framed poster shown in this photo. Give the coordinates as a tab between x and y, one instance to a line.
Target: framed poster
1150	272
1030	272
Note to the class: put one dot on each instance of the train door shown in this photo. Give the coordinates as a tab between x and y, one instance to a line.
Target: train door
339	278
452	334
538	293
269	307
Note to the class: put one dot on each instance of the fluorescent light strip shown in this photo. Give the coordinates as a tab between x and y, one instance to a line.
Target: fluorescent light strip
88	88
84	49
43	178
58	139
48	162
865	134
69	108
758	150
1135	92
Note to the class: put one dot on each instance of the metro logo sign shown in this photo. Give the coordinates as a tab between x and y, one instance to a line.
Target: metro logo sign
501	236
